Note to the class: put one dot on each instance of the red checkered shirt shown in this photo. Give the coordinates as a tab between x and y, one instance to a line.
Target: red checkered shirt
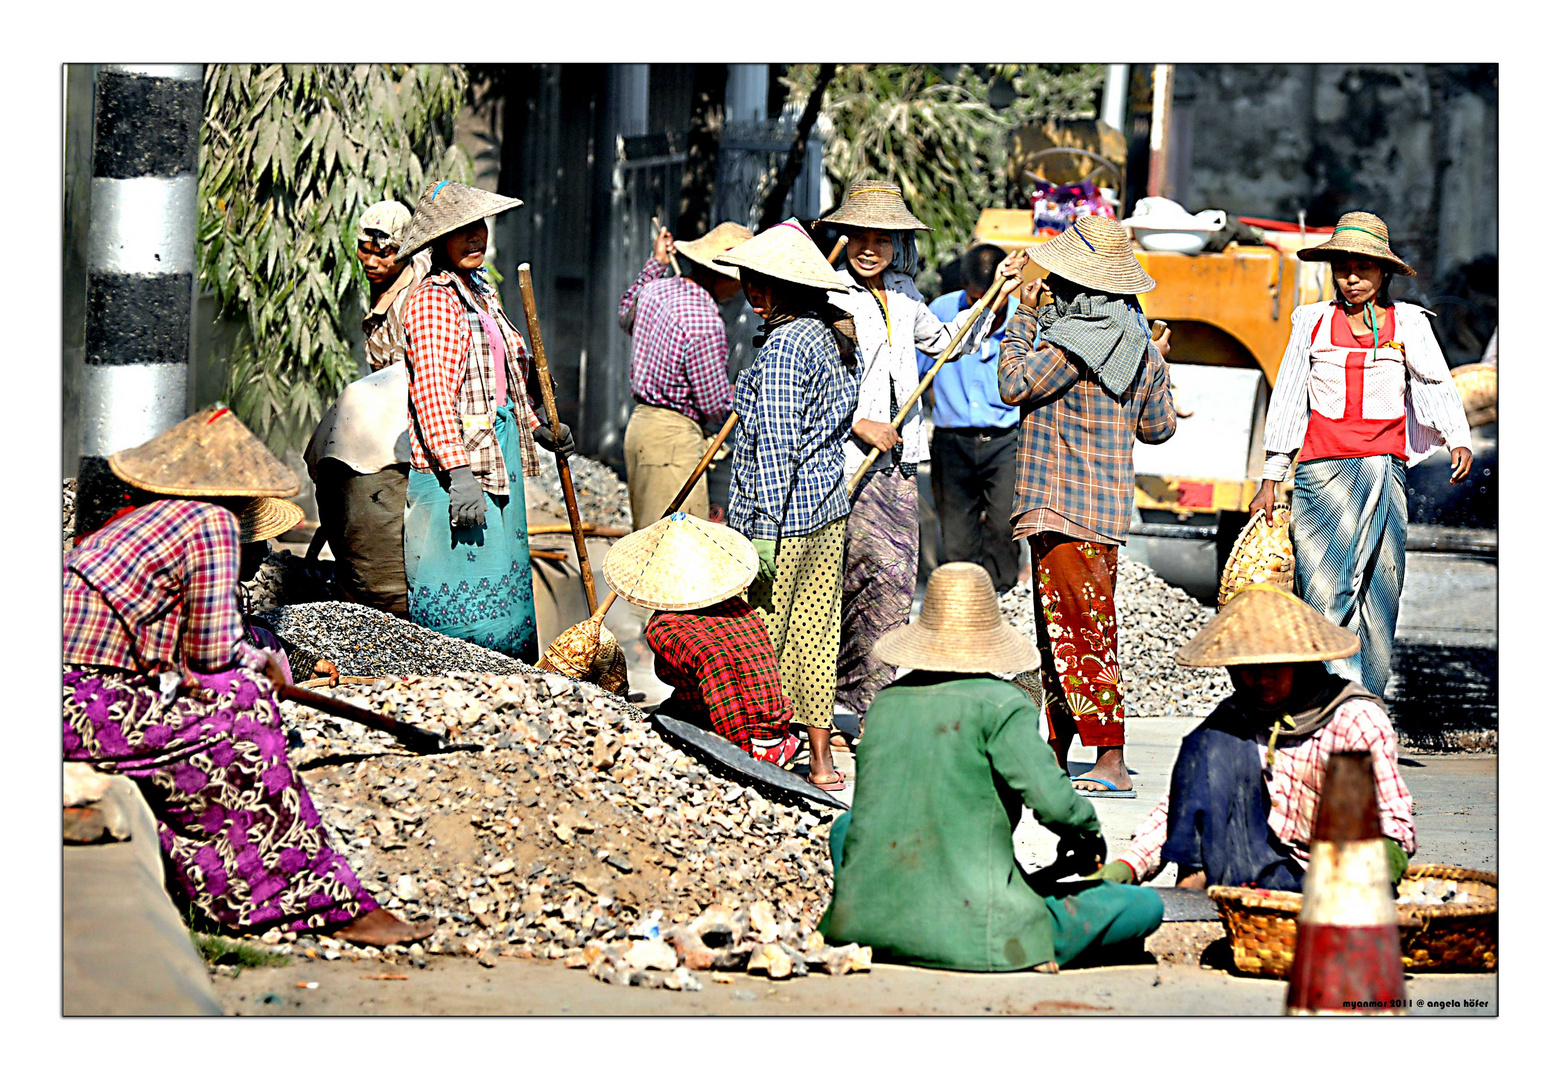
170	570
719	661
680	345
1076	455
451	369
1294	785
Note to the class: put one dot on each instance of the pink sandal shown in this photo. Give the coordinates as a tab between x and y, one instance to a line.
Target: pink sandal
782	753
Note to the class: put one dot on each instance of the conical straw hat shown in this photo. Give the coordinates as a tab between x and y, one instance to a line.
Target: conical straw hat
1358	233
208	455
445	207
680	563
875	204
1265	625
960	629
263	519
787	252
1094	252
724	237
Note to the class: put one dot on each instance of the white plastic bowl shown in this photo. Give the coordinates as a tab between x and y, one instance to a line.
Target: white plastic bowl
1178	240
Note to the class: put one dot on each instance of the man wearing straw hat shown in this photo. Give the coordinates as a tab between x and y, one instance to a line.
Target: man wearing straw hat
161	686
1088	382
1245	788
711	647
892	324
678	371
925	870
359	453
1363	394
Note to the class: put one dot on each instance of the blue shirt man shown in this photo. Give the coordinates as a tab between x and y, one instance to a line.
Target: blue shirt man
975	437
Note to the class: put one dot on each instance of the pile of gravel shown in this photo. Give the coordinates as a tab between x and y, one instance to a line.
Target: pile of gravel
285	578
575	834
1154	619
68	511
603	499
362	641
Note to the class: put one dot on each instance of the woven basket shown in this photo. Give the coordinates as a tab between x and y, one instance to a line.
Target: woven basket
1261	926
1477	386
1262	552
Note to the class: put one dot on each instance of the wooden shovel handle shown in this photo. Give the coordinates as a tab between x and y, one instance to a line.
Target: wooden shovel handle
927	380
545	382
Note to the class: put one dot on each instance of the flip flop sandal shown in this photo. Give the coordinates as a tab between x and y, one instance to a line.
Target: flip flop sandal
1111	792
838	784
782	753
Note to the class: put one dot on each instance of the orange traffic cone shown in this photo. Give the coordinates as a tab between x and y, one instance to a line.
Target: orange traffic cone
1347	936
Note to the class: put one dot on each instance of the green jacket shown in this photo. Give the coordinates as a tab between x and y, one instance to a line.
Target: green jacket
928	874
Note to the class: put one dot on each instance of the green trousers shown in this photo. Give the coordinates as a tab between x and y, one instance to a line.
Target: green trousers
1090	916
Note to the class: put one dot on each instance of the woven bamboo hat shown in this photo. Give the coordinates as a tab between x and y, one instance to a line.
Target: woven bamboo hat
960	629
724	237
445	207
263	519
787	252
1358	233
875	204
1094	252
1266	625
209	455
680	563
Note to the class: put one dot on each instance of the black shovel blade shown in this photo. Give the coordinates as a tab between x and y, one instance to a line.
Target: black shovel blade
714	751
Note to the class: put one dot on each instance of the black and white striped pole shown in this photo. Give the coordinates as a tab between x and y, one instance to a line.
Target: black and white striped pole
140	268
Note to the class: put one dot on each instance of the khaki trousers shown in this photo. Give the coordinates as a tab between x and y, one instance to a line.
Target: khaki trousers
661	449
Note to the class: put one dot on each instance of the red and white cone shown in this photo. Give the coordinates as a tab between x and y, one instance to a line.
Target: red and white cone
1347	936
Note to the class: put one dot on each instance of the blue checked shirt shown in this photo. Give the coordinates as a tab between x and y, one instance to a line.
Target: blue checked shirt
1076	457
794	409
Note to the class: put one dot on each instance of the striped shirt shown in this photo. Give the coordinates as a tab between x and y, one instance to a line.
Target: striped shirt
1296	782
794	409
1076	456
1434	415
168	571
680	345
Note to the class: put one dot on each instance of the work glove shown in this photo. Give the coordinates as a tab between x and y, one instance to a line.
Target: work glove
767	559
564	446
1398	861
467	508
1116	870
1081	853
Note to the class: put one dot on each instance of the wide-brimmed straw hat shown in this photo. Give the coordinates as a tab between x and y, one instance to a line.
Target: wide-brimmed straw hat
445	207
680	563
724	237
960	629
1094	252
787	252
1358	233
262	519
875	204
1266	625
209	455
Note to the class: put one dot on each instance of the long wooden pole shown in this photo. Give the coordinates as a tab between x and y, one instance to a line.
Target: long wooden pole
656	232
545	382
927	380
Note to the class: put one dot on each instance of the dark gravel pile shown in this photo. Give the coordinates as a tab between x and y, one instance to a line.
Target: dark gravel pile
602	497
362	641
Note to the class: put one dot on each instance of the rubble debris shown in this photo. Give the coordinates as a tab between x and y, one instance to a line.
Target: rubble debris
363	641
603	499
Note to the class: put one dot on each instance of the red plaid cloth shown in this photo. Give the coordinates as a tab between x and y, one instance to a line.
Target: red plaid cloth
1295	783
680	345
720	662
1076	455
451	367
171	570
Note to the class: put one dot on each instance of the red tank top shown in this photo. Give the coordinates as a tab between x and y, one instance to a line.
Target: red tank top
1357	395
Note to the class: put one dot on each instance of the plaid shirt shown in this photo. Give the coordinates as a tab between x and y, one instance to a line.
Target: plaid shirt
384	333
170	570
680	345
1296	781
794	409
451	366
719	660
1076	455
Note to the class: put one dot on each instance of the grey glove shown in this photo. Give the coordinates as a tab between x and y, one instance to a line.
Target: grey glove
1082	853
563	447
467	508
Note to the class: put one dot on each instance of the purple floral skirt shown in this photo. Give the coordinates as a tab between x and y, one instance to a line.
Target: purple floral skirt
242	837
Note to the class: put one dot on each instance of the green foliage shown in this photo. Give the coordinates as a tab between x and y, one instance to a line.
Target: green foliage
220	950
938	137
291	155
